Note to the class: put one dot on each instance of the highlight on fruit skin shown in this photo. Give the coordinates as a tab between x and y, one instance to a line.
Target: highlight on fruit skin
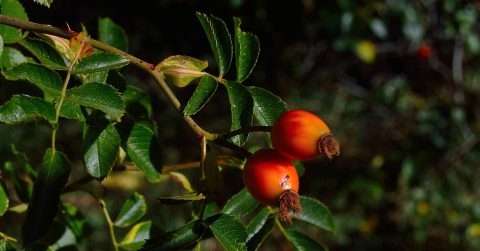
272	179
302	135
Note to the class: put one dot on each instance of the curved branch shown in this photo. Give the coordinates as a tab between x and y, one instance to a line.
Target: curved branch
149	68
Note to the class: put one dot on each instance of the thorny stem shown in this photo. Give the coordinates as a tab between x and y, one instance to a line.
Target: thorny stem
203	166
7	237
110	225
63	94
149	68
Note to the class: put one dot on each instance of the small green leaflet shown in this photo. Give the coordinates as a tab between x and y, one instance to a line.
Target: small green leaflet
101	151
220	40
247	51
203	93
12	8
241	109
112	34
138	149
24	108
132	210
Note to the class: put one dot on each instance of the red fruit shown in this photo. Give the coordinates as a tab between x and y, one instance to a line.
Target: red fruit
302	135
273	180
424	51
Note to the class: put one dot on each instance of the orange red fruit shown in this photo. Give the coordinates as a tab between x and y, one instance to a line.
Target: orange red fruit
302	135
272	179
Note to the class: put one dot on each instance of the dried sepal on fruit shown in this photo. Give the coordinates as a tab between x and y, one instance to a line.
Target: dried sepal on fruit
272	179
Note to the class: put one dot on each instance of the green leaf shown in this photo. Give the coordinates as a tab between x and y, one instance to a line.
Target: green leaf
181	70
137	236
112	34
241	109
259	229
12	57
45	53
203	93
43	206
268	106
230	233
94	77
138	149
45	3
256	224
47	80
101	151
98	96
301	242
179	199
184	237
247	51
132	210
220	40
315	213
23	108
134	94
240	204
100	62
71	110
75	220
12	8
3	200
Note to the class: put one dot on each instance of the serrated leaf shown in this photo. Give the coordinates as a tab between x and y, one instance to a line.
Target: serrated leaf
181	70
23	108
203	93
112	34
230	233
220	40
268	106
12	57
183	198
3	200
315	213
12	8
100	62
47	80
259	229
184	237
45	53
240	204
301	242
101	151
43	206
133	209
98	96
45	3
241	109
138	149
136	237
247	51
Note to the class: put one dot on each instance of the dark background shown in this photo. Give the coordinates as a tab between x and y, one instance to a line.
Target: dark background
407	178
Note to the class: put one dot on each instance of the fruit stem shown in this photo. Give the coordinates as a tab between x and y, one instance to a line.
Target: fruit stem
289	204
246	130
329	146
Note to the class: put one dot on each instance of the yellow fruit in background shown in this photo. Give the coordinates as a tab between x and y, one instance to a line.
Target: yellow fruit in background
366	51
